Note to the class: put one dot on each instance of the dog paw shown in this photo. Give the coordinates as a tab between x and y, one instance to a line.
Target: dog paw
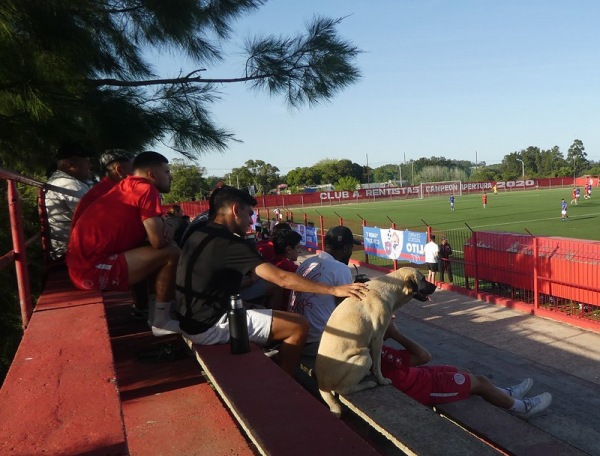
384	381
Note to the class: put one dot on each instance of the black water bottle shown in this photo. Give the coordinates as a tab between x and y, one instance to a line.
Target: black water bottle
238	326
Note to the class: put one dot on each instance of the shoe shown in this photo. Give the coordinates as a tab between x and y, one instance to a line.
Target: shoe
536	405
167	328
139	314
519	391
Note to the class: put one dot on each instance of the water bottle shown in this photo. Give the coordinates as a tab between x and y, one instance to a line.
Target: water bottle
238	326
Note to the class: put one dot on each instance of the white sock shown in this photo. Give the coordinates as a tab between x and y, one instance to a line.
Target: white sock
162	323
518	406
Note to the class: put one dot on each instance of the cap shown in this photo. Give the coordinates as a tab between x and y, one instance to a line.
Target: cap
340	236
113	155
71	150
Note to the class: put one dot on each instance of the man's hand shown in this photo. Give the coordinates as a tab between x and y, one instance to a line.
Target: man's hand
353	290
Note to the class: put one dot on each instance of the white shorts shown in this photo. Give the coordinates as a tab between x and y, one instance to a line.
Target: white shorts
563	212
259	329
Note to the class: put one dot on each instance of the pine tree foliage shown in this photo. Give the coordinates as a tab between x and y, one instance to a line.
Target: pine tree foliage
80	70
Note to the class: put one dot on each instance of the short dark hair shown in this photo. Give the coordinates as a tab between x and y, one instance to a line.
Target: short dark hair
148	159
283	238
281	226
226	195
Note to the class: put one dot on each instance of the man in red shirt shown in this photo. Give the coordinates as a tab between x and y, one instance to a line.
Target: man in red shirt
121	239
117	164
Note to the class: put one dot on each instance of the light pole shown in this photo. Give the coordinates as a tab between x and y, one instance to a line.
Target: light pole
400	174
522	166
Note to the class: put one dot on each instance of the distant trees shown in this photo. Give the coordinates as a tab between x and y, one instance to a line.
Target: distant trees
188	183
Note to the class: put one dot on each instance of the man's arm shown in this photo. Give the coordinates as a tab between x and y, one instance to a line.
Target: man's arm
296	282
418	354
159	233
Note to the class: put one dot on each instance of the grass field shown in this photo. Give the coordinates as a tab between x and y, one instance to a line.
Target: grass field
536	210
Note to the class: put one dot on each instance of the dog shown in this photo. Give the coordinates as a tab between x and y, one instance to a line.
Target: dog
351	342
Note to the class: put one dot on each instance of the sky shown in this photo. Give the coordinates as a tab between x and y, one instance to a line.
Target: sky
462	79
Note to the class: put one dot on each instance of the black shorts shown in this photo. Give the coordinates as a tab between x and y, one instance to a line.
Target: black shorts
432	267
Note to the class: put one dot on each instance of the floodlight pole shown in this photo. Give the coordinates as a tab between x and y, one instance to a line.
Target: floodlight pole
522	166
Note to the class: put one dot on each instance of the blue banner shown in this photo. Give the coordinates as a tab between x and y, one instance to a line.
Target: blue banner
308	233
395	245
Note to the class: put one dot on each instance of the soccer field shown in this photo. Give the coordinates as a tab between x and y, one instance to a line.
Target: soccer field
536	210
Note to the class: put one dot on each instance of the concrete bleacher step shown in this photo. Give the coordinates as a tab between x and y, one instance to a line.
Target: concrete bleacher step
60	395
279	416
509	433
412	427
168	406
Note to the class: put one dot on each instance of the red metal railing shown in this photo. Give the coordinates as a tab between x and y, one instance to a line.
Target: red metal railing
18	254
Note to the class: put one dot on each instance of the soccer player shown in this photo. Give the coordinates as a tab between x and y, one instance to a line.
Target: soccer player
451	199
484	199
563	210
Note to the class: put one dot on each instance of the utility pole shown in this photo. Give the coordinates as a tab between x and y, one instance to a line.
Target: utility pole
400	173
368	186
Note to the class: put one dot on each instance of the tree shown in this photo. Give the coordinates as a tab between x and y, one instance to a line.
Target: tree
188	183
264	175
80	70
577	157
386	173
347	183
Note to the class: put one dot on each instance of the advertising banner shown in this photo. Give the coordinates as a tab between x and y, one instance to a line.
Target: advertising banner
395	245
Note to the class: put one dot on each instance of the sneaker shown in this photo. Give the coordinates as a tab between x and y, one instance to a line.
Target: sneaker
536	405
519	391
167	328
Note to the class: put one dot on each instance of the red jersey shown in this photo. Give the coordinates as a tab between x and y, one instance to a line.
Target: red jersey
484	199
266	250
284	263
101	188
113	223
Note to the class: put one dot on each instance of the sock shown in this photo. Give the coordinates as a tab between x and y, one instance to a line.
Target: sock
162	323
518	406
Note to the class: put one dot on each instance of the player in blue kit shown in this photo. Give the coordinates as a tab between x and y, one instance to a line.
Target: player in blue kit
451	199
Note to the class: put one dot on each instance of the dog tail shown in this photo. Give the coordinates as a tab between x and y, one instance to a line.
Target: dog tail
335	406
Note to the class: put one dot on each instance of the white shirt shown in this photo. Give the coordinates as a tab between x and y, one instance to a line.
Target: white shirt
317	308
431	252
63	192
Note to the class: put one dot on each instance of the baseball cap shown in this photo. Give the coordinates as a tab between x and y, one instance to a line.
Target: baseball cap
340	236
113	155
71	150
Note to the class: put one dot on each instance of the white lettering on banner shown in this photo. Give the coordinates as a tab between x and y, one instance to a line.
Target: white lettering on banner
477	186
414	248
441	188
515	184
335	195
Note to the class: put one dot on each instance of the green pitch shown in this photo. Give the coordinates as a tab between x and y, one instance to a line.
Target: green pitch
535	210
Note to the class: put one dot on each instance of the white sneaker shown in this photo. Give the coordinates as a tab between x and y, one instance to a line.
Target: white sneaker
536	405
168	327
519	391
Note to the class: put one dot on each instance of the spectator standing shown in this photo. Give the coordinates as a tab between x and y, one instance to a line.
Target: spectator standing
431	258
214	260
329	267
65	188
178	222
444	256
122	239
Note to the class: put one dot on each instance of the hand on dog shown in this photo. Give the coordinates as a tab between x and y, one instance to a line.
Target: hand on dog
353	290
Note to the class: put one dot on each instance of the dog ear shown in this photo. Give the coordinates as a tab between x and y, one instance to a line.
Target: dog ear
411	283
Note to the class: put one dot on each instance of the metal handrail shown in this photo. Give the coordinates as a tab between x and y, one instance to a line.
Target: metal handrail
19	252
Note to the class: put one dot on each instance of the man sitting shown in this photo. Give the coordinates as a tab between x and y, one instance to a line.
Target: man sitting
122	239
66	186
116	164
214	260
331	268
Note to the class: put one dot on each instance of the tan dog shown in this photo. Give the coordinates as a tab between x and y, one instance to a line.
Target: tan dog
351	343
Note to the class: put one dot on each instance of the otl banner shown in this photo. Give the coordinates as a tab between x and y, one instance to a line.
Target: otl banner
395	245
